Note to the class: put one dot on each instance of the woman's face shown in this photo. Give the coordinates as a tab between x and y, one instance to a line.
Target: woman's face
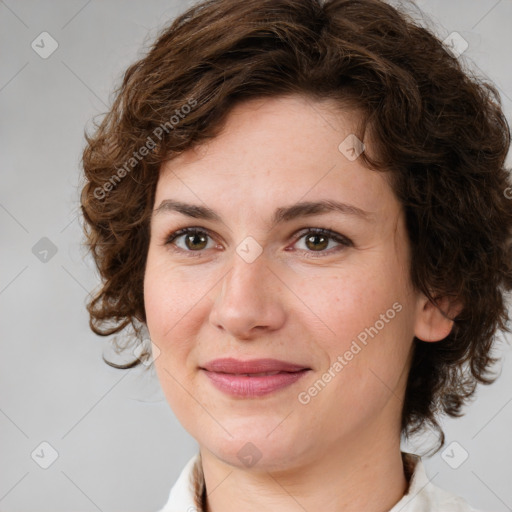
252	280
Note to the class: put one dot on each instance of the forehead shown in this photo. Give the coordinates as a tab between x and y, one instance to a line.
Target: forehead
273	127
276	150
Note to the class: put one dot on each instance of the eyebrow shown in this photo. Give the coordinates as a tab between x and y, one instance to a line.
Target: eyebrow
281	215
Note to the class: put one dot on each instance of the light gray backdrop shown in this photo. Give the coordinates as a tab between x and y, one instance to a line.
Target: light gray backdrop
113	442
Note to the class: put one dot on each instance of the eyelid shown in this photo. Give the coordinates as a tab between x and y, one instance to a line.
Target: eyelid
342	241
323	231
185	231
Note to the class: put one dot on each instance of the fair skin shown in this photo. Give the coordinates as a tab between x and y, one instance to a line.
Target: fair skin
301	300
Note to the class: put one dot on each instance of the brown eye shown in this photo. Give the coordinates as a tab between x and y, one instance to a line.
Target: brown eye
196	241
317	242
189	239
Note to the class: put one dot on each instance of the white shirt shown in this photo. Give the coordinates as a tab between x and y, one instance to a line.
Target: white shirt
422	495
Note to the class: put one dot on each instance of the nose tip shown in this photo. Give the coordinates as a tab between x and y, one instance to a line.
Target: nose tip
249	302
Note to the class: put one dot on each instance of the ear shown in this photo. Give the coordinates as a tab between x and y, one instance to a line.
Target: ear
434	320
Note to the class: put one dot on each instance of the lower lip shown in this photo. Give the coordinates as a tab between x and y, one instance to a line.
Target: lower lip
246	387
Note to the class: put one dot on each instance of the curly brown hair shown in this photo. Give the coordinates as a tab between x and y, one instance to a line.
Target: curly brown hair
436	127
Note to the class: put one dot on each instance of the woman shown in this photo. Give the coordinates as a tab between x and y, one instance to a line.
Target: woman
304	203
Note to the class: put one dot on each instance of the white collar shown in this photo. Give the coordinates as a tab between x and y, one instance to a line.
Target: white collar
422	495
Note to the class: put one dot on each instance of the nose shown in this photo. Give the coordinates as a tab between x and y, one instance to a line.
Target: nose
249	302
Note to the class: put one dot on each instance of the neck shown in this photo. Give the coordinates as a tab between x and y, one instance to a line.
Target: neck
368	476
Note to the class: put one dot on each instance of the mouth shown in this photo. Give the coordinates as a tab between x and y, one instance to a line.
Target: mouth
257	377
262	374
253	367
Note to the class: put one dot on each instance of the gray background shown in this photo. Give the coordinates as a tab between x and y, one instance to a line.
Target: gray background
119	445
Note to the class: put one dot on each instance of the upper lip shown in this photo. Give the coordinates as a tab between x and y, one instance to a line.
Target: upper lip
235	366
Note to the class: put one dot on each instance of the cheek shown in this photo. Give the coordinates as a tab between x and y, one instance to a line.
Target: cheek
170	299
365	350
367	323
348	302
165	305
172	310
177	305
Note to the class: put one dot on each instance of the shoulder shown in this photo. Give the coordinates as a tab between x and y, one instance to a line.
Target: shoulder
447	502
181	496
424	496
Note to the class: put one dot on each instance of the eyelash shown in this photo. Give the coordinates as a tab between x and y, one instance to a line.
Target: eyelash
344	241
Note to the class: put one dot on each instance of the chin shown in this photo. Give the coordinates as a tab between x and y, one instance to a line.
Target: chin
258	445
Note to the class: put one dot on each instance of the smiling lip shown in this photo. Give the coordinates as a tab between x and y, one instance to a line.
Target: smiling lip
256	377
